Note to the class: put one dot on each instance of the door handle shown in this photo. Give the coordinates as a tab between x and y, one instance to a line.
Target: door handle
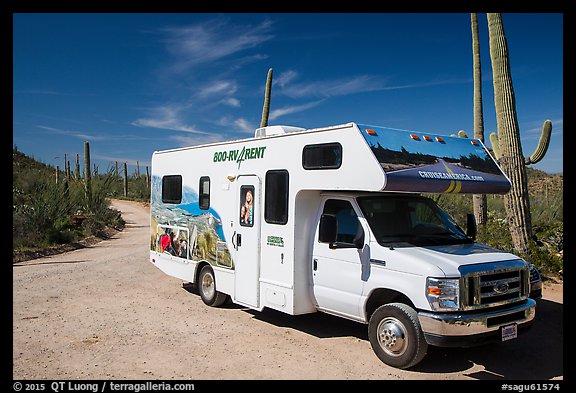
234	245
238	240
315	264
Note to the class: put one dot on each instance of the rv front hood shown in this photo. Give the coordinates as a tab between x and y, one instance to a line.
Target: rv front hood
449	257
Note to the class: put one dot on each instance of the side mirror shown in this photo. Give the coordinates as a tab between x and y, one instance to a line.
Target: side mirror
471	228
328	228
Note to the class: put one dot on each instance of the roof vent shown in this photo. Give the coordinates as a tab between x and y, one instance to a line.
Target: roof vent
275	130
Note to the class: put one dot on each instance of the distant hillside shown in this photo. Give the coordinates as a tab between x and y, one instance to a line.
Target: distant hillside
26	171
540	182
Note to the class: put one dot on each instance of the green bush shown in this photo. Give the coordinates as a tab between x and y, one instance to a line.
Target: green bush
46	214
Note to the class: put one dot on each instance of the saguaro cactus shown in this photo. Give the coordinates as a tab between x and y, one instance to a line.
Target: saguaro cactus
508	149
87	175
147	177
65	165
77	172
479	202
68	171
125	180
266	107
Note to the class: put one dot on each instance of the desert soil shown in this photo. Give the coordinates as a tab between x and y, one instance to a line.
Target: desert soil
105	312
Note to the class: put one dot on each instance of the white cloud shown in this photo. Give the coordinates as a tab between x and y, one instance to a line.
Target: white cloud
216	89
332	88
241	123
166	117
213	40
222	87
76	134
244	125
195	140
276	113
285	78
231	101
348	85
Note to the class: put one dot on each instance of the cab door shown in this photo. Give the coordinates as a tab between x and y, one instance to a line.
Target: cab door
337	267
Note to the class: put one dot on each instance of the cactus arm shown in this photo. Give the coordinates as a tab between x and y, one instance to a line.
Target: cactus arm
495	145
543	144
266	107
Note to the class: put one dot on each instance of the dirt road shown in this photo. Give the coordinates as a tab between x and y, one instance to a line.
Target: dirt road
105	312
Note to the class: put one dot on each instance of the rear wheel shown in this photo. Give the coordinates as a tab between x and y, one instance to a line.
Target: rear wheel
207	288
396	336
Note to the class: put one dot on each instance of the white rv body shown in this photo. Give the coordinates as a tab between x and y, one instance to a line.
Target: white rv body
277	275
273	258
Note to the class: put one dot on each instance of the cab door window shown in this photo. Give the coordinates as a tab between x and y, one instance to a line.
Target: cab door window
349	227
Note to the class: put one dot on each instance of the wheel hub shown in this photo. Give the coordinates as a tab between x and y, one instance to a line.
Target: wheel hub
392	336
208	285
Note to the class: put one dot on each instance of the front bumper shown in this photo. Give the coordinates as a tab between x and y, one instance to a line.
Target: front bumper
467	329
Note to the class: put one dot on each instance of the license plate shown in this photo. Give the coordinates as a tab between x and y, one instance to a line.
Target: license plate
509	332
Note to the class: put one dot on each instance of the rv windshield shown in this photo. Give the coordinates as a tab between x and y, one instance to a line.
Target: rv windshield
404	221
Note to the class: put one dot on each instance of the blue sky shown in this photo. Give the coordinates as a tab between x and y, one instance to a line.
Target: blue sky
132	83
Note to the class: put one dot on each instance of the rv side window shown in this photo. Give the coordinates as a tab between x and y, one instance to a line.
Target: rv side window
322	156
172	189
204	193
276	200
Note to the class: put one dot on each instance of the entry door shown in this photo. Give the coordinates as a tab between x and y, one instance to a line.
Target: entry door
247	240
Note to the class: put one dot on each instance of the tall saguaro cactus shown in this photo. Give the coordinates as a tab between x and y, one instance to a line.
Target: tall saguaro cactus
507	145
87	175
125	180
266	107
479	201
147	177
77	172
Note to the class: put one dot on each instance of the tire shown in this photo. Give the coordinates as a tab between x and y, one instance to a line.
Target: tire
396	336
207	288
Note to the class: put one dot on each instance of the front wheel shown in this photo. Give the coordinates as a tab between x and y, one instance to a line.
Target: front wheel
396	336
207	288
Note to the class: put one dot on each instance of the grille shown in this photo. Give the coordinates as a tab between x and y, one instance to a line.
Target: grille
494	284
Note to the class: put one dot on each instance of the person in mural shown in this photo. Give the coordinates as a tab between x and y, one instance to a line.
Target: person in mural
176	248
183	249
247	210
165	240
171	247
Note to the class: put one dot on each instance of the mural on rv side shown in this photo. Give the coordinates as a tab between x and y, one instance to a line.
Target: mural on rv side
434	163
186	231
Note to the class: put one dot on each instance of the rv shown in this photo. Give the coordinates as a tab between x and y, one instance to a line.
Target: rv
336	220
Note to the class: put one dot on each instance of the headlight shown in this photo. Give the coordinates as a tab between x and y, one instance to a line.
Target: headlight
443	293
535	282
